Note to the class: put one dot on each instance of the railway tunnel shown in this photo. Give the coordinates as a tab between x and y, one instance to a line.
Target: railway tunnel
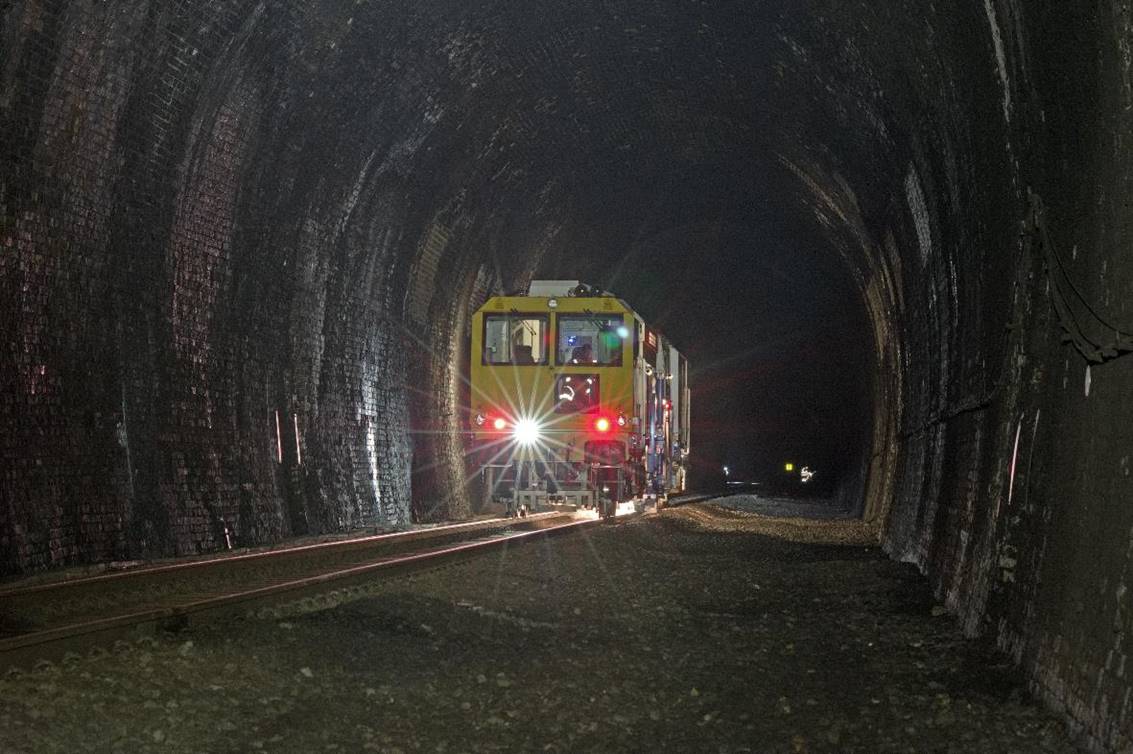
241	244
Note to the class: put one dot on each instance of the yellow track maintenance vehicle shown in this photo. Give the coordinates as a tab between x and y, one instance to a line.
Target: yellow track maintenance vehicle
575	401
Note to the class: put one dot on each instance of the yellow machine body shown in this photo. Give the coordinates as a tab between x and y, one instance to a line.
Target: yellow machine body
572	401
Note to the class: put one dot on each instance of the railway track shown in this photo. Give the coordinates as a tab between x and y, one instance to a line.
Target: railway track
693	497
50	620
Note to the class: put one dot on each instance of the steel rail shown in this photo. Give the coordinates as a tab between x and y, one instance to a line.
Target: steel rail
277	555
694	497
55	642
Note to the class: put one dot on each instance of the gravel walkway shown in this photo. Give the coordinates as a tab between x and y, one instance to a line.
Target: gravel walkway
685	632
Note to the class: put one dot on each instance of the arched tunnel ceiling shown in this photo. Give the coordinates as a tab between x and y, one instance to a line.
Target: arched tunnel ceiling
640	106
286	179
227	224
269	169
627	121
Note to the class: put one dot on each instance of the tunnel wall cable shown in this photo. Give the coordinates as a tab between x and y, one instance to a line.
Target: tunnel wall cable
1064	291
1036	233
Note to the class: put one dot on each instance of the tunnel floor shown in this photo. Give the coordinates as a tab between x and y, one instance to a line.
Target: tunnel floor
785	507
683	632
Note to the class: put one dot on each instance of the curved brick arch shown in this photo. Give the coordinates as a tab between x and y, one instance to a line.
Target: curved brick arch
234	232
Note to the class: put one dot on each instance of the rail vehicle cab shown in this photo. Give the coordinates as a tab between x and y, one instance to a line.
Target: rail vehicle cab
575	401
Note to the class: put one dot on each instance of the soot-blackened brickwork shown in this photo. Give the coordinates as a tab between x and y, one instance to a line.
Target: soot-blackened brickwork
240	243
209	230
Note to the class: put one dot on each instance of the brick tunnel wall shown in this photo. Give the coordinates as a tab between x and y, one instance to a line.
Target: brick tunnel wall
220	260
1007	474
1063	555
240	243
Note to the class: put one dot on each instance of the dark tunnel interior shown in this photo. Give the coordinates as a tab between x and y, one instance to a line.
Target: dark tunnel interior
891	238
775	330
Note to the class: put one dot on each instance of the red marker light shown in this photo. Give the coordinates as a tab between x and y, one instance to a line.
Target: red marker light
499	423
602	424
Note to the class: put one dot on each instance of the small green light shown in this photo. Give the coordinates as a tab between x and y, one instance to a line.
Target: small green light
789	467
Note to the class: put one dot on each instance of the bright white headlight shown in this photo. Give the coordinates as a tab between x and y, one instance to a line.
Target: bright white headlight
526	432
